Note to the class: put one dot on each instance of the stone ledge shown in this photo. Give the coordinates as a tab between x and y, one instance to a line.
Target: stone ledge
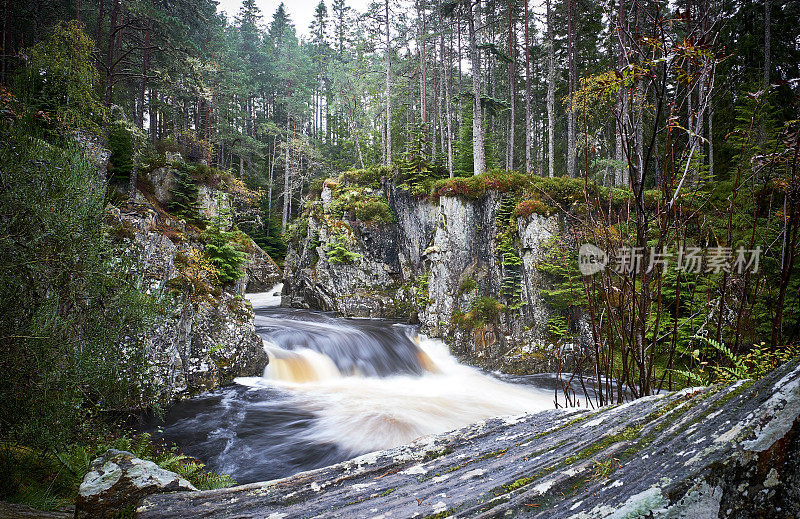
724	451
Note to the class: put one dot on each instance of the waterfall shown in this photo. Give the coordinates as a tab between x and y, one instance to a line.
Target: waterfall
336	388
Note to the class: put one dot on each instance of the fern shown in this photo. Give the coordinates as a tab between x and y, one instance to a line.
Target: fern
751	365
692	376
737	371
511	285
213	480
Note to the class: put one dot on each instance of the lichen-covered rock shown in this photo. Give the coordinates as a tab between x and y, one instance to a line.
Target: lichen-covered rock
212	203
417	268
199	344
225	335
261	273
369	285
163	181
724	451
118	480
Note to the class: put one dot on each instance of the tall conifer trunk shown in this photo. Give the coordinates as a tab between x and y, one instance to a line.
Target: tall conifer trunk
478	154
387	160
528	130
551	91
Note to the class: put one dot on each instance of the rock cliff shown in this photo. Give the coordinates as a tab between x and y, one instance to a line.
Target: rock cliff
723	451
434	263
200	342
206	336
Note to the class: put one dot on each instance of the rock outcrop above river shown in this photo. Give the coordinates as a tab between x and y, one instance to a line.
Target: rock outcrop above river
432	263
207	336
723	451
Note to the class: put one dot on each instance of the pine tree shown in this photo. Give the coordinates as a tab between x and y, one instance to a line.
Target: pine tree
120	143
184	197
224	254
464	164
341	20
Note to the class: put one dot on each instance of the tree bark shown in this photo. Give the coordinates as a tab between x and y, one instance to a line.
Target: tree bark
387	160
109	63
7	14
551	91
286	173
638	124
571	123
273	157
621	169
711	143
528	132
448	84
477	117
143	84
512	44
767	40
424	78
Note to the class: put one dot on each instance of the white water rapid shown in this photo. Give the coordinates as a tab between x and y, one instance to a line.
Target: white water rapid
336	388
362	412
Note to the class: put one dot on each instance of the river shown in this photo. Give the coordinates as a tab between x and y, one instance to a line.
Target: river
336	388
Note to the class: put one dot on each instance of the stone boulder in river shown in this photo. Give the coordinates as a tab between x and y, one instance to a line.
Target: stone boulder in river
724	451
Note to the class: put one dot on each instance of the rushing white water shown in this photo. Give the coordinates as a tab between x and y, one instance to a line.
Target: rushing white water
362	414
336	388
271	297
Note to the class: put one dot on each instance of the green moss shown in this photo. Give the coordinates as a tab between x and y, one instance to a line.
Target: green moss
564	426
518	484
432	455
421	290
361	205
628	434
440	515
492	454
476	186
484	310
562	191
467	286
369	177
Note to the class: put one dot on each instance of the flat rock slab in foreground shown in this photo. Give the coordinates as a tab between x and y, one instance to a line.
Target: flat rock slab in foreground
731	451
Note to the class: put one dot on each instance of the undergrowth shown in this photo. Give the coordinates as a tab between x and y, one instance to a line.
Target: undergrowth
49	479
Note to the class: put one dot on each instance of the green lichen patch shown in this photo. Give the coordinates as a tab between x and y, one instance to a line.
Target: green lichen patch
432	455
521	482
627	434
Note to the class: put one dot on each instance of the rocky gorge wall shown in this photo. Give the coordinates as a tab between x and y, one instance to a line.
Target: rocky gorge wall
434	263
205	336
